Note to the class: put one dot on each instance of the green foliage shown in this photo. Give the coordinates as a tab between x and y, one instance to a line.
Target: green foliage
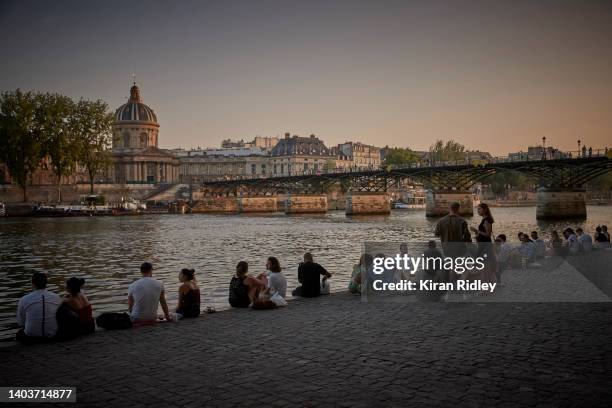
451	151
38	126
397	156
21	144
93	127
55	113
503	181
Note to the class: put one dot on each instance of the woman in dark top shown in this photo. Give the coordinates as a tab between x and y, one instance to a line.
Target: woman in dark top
189	294
78	302
243	288
484	235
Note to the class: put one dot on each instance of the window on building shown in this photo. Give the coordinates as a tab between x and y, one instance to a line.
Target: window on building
253	169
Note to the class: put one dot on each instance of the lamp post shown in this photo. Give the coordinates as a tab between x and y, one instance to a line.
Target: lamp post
543	147
578	147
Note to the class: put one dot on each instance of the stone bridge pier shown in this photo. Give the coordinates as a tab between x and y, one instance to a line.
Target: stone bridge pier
305	203
438	202
257	204
367	203
560	203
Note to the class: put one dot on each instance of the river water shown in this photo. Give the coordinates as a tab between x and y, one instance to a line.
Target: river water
107	251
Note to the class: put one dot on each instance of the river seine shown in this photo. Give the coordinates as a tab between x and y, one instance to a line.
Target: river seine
107	251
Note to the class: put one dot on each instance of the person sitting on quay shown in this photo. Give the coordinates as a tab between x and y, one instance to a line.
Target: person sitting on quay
36	312
540	246
144	295
309	273
503	251
584	240
604	230
79	304
571	244
601	240
555	245
243	288
188	295
276	279
526	250
359	271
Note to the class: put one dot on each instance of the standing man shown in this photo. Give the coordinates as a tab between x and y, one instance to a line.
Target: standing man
452	228
144	295
36	312
308	275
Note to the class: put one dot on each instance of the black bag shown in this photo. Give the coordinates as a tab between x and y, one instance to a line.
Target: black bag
114	321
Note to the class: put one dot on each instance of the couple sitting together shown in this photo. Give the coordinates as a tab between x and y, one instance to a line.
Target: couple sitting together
268	290
45	316
146	293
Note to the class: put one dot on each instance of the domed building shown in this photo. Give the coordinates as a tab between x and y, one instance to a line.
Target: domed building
136	156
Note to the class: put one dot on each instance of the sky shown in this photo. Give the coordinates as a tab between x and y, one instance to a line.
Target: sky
494	75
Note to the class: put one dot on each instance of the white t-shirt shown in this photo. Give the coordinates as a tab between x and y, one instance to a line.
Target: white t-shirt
278	281
145	292
30	313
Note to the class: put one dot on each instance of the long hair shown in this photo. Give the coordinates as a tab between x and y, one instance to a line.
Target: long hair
242	268
274	264
487	211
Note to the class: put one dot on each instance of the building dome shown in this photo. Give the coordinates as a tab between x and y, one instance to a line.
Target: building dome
134	110
135	125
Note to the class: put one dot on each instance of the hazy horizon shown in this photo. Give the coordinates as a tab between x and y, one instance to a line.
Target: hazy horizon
496	76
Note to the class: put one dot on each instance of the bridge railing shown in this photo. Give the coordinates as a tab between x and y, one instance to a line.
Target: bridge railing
426	163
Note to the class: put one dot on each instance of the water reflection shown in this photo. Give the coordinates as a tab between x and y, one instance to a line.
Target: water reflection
107	251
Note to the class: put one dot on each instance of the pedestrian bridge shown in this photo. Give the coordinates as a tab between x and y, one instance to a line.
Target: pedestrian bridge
561	181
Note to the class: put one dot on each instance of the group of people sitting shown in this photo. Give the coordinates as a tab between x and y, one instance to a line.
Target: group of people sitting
269	289
45	316
533	248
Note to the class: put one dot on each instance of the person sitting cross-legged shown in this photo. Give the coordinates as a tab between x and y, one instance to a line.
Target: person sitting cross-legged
36	312
309	273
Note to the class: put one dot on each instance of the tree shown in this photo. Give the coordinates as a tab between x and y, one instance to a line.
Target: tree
55	113
21	147
93	129
397	156
451	151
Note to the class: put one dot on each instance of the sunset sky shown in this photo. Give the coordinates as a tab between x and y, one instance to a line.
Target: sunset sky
493	75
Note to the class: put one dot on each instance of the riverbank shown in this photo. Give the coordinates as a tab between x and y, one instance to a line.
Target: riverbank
336	350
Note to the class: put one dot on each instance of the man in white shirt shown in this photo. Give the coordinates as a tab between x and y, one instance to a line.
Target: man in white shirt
571	241
36	312
144	295
585	240
540	246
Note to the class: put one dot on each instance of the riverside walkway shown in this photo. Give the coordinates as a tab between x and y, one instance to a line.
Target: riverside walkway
338	351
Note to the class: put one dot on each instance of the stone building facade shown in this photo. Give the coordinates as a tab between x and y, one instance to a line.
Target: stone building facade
136	156
295	155
357	156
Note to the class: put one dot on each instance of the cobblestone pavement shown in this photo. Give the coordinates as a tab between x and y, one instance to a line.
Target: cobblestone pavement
339	351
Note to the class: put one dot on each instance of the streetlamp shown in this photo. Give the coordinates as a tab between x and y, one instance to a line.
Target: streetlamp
543	147
578	147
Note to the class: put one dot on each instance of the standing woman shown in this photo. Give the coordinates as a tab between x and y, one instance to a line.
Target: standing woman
189	294
484	237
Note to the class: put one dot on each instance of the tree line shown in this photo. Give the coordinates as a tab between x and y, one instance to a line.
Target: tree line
53	131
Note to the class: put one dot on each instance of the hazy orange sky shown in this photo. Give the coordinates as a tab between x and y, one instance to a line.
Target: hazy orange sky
494	75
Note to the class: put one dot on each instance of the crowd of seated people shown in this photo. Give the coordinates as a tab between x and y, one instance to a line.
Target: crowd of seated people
44	316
